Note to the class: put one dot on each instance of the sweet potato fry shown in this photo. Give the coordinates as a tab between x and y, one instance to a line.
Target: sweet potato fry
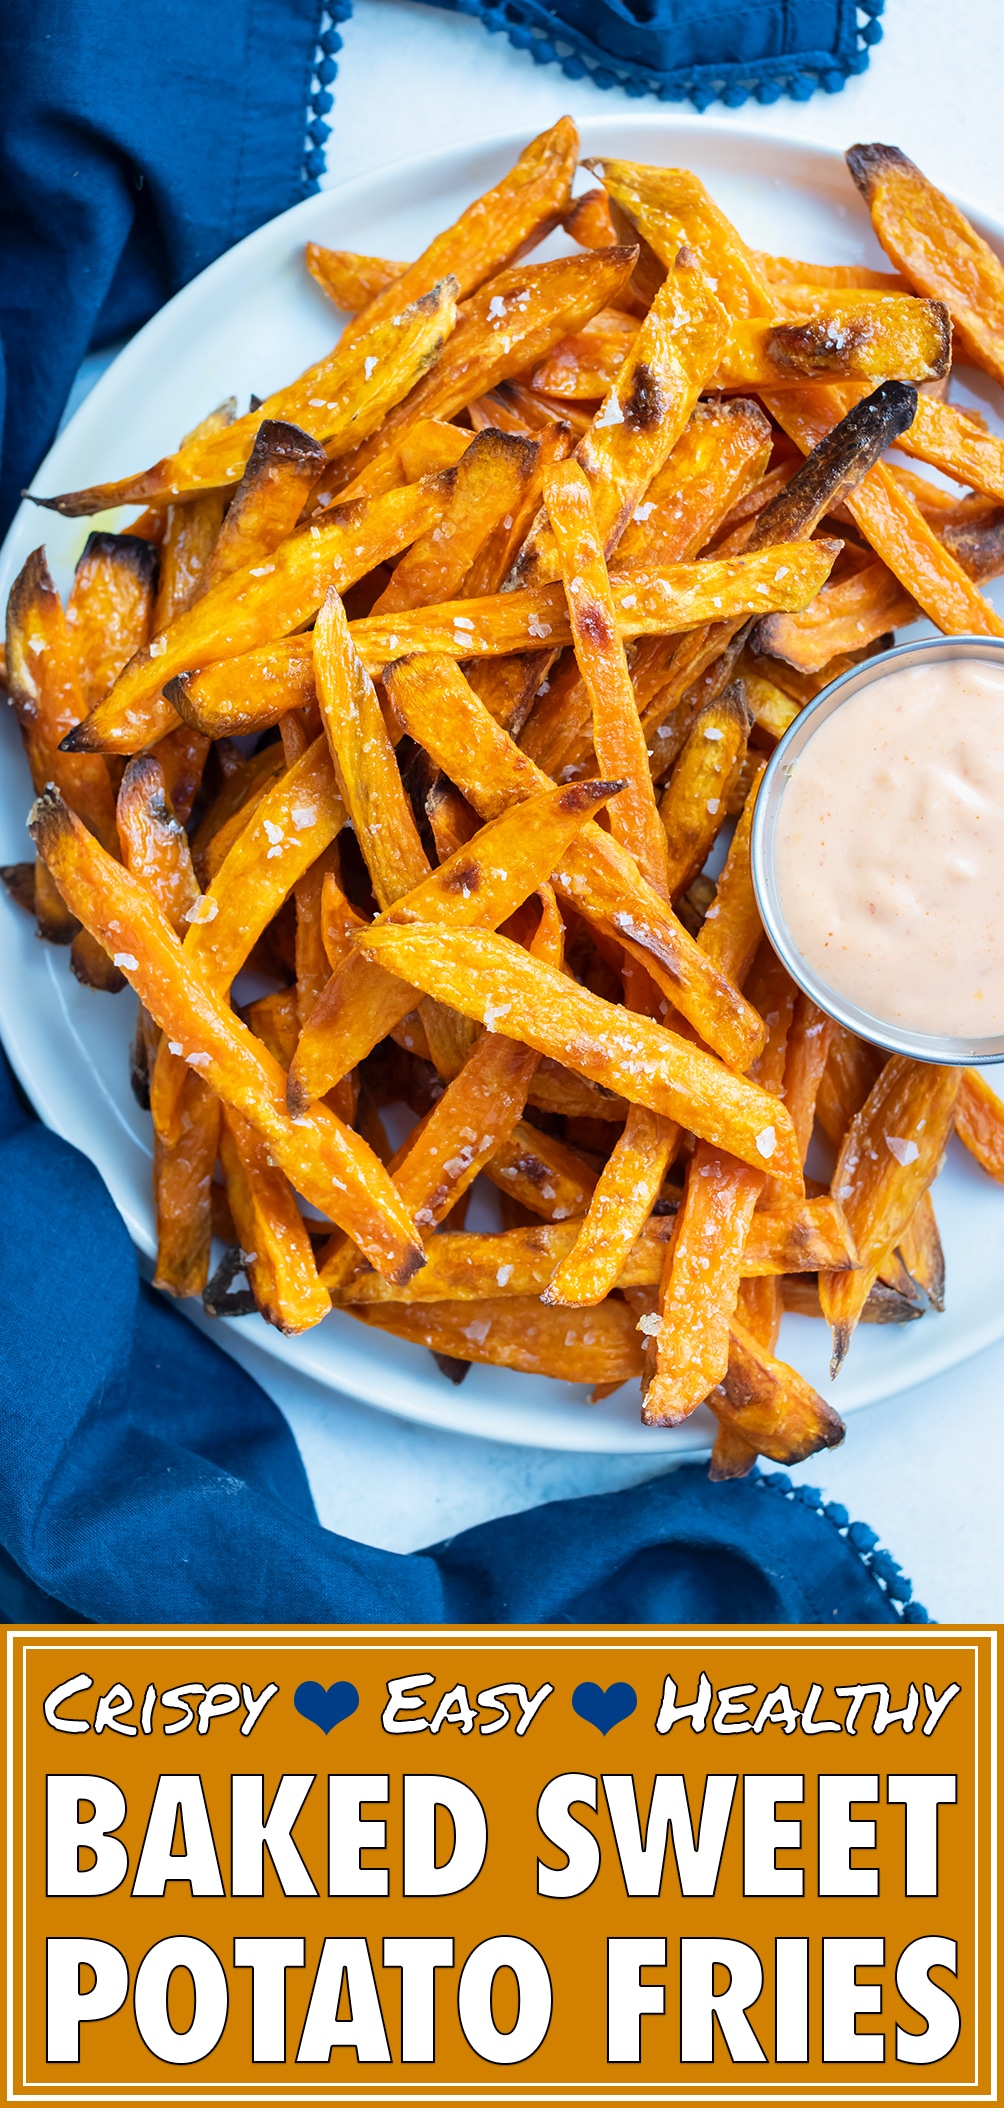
770	1406
667	206
859	339
587	364
152	841
883	1306
805	1060
699	1285
945	437
979	1122
692	808
351	281
920	1249
249	693
340	401
246	610
588	220
182	754
936	248
646	603
622	1200
595	876
787	272
617	735
492	979
851	1069
641	418
891	521
732	930
542	1174
275	1248
367	771
507	326
109	609
480	885
842	617
183	1176
289	828
489	482
191	532
889	1155
496	229
579	1346
312	969
283	465
44	688
977	544
328	1164
771	709
461	1267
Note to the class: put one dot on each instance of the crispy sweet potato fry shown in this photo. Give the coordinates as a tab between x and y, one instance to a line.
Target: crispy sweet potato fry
289	828
367	771
329	1165
491	979
282	467
481	884
805	1060
732	930
152	841
595	876
580	1346
182	754
770	1406
891	521
936	248
251	606
622	1200
851	1069
617	735
786	271
669	205
183	1176
643	415
979	1122
351	281
44	688
890	1154
699	1285
692	807
496	229
275	1247
340	401
542	1174
945	437
883	1306
109	609
490	480
646	603
921	1251
587	364
461	1267
842	617
860	338
772	710
501	330
249	693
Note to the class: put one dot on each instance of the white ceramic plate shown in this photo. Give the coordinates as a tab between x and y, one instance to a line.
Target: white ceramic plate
249	323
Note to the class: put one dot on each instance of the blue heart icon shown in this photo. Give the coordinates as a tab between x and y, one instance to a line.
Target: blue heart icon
326	1707
604	1709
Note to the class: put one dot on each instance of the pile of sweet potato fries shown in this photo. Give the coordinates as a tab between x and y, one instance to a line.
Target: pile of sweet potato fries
426	689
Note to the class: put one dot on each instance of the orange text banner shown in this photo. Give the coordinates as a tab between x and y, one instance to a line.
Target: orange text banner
622	1864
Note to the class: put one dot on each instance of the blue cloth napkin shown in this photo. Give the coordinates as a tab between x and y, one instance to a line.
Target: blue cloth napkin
144	1478
141	138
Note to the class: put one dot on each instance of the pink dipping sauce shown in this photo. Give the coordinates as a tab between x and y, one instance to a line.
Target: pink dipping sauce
889	849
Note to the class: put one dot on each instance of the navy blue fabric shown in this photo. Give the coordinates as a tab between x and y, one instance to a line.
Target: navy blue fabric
144	1478
141	138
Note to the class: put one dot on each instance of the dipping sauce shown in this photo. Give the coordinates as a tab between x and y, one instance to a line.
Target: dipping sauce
889	848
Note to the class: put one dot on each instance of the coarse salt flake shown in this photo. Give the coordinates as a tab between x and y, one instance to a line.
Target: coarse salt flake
304	815
493	1011
369	367
158	646
505	1273
712	732
650	1323
713	805
202	910
196	1060
496	307
905	1152
642	513
766	1141
273	830
125	961
261	570
174	1046
611	414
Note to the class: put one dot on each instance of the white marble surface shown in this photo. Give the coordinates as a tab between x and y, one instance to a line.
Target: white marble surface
924	1469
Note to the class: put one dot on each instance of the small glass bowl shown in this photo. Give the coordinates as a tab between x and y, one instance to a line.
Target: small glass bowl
922	1046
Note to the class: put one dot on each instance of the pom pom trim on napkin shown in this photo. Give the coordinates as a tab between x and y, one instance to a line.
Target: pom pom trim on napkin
864	1541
